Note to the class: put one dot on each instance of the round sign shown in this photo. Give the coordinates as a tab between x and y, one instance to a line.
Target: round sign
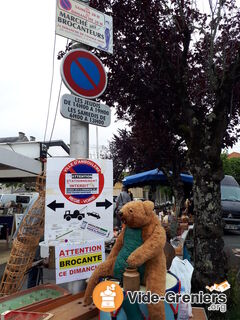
81	181
84	74
66	4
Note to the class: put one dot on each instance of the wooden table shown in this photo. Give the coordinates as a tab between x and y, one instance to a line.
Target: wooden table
67	308
198	314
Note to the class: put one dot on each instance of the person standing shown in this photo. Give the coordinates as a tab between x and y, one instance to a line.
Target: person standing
131	195
122	199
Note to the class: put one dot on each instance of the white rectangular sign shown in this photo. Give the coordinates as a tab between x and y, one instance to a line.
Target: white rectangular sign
82	183
79	200
81	23
78	261
83	110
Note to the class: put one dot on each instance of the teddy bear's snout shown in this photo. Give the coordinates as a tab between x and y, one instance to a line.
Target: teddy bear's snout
122	217
120	213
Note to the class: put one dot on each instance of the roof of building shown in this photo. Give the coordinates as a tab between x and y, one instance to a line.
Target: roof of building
20	138
234	155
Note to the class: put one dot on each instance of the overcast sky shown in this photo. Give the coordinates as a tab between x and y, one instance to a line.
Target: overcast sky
26	55
27	41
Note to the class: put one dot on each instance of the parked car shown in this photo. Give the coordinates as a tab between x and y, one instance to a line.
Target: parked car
94	214
75	215
230	202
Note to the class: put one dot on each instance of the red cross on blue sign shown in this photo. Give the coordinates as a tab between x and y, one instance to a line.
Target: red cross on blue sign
84	74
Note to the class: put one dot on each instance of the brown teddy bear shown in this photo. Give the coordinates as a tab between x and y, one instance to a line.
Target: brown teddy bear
139	218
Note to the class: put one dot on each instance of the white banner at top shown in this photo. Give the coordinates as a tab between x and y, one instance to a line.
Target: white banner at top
84	24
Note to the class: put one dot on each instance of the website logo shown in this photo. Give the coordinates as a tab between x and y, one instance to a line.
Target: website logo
221	287
108	296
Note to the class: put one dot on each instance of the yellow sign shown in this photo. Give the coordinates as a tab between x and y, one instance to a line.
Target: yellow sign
79	261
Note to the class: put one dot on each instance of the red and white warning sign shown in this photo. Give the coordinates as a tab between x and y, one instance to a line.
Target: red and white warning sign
81	181
79	194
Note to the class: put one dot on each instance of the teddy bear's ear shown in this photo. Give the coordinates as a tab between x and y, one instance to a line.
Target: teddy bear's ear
148	206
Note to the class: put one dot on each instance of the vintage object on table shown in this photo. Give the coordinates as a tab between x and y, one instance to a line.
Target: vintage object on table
199	314
179	250
33	296
51	263
173	284
69	308
177	244
191	220
25	315
184	226
6	227
181	228
25	244
184	219
140	245
131	279
169	253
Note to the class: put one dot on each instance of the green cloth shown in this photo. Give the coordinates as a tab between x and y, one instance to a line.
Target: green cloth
132	310
131	241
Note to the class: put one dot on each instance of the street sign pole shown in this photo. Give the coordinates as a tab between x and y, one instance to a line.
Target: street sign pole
79	139
97	142
79	131
79	148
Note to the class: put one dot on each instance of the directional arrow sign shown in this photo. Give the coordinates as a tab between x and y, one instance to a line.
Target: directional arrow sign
83	189
54	205
105	204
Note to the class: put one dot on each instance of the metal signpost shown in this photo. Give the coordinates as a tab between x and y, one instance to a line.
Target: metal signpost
79	191
84	74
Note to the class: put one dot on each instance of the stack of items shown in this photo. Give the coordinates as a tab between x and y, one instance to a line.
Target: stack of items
177	244
25	244
25	315
47	301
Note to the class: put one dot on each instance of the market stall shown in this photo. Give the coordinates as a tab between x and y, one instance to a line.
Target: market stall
75	250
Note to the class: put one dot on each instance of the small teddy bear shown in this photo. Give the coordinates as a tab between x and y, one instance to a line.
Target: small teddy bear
139	245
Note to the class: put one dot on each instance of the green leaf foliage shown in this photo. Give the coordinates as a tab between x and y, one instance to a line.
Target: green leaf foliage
231	167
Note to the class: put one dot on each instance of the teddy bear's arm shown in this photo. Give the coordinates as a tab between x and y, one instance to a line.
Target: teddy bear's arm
117	246
150	248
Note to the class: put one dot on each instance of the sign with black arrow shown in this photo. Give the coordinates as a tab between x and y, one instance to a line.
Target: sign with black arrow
105	204
54	205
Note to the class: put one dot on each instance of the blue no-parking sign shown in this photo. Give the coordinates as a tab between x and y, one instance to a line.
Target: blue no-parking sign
66	5
84	74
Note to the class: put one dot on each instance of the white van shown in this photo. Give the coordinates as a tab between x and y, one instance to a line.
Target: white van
23	198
